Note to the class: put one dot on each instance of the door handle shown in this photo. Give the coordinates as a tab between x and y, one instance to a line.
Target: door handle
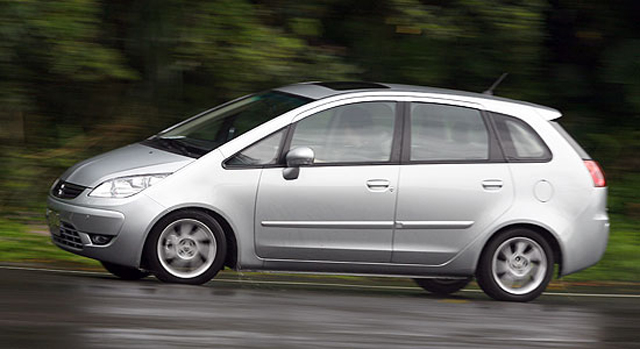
378	184
492	184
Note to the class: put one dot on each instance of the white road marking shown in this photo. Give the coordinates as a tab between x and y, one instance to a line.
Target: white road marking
300	283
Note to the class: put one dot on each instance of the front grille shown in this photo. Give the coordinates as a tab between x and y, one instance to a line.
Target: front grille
66	190
68	236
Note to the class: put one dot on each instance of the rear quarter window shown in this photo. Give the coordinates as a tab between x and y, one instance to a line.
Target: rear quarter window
519	141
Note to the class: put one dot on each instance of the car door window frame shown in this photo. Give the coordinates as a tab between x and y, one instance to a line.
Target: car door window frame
285	144
394	157
496	154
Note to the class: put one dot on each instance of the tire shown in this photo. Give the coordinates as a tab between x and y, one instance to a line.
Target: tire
516	265
442	287
125	273
186	247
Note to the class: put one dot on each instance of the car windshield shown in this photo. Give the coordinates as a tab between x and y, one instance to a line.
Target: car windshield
218	126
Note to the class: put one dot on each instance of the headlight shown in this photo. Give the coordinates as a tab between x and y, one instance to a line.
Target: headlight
126	186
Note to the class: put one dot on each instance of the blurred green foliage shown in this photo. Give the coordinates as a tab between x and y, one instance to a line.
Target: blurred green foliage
79	77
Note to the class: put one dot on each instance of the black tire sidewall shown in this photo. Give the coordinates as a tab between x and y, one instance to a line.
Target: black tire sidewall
152	252
484	273
437	287
123	272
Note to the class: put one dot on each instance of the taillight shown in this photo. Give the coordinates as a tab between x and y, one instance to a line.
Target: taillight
596	173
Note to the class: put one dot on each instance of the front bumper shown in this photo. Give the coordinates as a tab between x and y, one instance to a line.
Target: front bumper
72	224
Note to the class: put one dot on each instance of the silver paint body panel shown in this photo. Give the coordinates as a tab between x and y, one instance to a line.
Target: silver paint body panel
454	204
131	160
432	220
329	213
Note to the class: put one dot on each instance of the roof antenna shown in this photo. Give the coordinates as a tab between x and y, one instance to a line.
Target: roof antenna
495	84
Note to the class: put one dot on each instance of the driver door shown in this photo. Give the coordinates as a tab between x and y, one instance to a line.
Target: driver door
340	207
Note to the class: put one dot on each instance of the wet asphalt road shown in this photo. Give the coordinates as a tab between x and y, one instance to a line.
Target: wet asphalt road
62	310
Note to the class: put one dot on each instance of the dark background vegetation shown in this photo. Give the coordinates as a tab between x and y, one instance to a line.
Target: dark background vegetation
79	77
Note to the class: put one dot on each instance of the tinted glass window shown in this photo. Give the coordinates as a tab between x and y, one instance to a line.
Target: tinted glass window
447	133
263	152
519	140
360	132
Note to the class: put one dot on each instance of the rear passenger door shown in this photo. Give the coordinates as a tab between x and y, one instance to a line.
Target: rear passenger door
453	183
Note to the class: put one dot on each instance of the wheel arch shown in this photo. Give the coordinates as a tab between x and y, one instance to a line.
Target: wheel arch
549	236
231	259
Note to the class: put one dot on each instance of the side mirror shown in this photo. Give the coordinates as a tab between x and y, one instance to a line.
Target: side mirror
295	158
300	156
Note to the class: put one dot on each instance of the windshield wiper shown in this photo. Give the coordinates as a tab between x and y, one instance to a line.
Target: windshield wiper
177	143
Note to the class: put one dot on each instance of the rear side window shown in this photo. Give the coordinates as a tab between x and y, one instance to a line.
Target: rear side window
519	141
447	133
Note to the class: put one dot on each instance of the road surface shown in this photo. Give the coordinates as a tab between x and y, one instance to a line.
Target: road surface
40	309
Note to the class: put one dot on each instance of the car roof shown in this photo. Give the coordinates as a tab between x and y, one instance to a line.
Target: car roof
320	90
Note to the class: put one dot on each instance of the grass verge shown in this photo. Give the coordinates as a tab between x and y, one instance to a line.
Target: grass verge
17	245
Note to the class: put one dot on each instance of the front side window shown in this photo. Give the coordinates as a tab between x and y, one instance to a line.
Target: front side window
447	133
209	131
353	133
519	141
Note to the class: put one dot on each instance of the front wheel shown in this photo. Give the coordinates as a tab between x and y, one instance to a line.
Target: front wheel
516	266
125	273
441	286
186	247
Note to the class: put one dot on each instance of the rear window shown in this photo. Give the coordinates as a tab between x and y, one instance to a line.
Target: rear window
519	141
583	154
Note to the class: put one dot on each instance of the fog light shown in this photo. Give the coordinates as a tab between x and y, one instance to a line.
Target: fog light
100	239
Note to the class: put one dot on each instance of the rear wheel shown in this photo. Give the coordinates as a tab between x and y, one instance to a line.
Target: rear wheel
516	266
443	286
186	247
125	273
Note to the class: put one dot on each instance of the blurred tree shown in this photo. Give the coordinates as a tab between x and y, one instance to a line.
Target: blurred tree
48	52
78	77
83	76
464	44
228	43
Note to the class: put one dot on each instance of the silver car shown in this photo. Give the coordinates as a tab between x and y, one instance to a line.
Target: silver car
345	177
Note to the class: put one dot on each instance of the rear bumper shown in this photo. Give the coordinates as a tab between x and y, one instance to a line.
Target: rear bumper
586	240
